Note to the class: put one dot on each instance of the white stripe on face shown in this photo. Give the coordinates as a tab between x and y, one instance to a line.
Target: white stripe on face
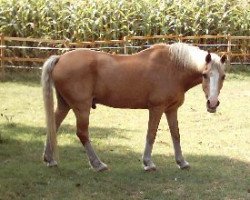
213	88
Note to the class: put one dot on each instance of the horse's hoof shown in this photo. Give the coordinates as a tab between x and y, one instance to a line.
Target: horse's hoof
102	167
52	163
150	168
183	165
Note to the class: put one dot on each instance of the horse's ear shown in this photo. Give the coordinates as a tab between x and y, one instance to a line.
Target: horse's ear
208	58
223	59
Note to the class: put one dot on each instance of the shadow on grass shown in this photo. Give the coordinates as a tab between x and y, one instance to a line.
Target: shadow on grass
17	130
24	176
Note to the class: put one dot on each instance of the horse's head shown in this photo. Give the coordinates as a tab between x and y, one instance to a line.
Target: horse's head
213	78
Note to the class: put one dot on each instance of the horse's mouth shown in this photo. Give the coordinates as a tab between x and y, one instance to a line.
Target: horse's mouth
211	110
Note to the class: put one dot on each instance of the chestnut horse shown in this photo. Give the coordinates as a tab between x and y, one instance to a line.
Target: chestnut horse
155	79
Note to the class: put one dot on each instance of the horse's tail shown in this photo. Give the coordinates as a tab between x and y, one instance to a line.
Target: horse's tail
47	84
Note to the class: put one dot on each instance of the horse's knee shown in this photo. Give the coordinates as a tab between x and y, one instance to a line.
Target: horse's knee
151	138
176	138
82	131
84	137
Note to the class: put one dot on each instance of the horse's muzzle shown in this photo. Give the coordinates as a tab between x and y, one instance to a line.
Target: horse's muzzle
212	109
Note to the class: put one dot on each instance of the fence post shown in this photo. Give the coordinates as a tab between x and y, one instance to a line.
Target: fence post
125	39
67	45
245	51
2	70
229	45
180	38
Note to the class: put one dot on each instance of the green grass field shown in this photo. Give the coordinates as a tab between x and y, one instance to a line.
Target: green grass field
216	145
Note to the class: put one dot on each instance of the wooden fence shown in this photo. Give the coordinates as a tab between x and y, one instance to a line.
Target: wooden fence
237	48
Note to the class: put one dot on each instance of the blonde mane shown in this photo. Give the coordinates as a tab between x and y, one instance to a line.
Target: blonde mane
187	56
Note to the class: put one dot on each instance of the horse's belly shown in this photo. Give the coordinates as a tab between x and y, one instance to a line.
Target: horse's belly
133	105
122	93
126	100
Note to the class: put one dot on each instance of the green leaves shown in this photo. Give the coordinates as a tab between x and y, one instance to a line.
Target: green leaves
103	19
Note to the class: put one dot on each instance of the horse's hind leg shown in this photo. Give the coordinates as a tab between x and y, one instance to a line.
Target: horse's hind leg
60	114
82	121
61	110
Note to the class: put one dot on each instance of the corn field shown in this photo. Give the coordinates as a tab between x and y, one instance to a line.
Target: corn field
90	20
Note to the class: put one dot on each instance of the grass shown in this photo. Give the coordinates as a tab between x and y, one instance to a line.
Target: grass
216	145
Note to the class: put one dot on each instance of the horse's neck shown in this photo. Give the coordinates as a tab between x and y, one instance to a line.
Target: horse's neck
191	78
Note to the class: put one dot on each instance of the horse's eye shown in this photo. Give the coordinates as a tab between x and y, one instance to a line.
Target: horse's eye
223	77
204	76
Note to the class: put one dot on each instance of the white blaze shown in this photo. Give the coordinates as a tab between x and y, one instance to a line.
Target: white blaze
213	89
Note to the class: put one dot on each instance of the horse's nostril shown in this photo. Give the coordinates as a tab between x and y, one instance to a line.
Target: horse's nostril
213	105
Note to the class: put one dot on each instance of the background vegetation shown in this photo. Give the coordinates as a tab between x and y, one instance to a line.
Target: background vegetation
104	19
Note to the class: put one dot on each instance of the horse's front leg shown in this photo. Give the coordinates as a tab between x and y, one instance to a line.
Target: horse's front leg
155	114
174	130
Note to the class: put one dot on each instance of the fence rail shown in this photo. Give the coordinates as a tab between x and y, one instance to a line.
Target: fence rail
233	46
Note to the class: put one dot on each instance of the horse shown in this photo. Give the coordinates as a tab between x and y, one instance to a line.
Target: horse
155	79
